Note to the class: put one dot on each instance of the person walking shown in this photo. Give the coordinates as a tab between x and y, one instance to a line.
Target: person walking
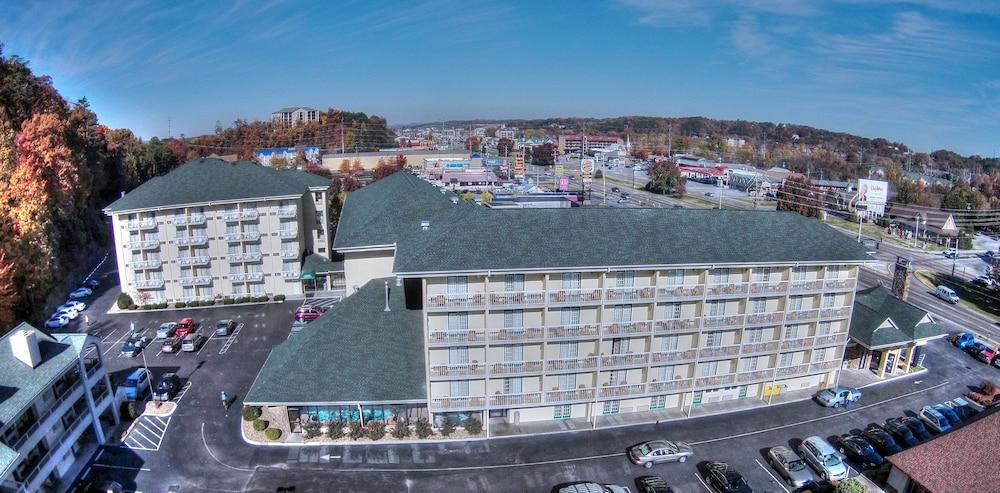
225	400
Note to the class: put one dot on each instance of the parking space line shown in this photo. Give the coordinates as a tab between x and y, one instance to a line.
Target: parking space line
184	389
155	429
108	335
232	339
769	473
114	344
702	481
162	423
109	466
139	434
203	346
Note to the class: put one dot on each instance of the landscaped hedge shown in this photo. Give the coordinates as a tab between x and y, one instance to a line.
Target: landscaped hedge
154	306
124	301
335	430
473	426
260	424
272	434
355	430
180	304
423	429
376	430
311	429
279	297
447	427
251	413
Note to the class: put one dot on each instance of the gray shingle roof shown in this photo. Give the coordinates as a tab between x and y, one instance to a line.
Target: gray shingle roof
21	384
873	306
356	352
318	264
215	180
8	458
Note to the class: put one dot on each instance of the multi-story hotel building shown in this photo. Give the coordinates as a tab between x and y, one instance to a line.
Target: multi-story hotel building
55	409
547	314
212	229
576	143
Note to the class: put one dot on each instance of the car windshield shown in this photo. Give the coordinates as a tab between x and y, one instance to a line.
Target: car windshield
831	460
796	465
645	449
128	345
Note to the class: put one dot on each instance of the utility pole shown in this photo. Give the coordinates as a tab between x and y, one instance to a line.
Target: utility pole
342	150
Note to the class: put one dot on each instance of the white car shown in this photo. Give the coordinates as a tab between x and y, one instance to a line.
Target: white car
56	322
69	313
73	304
80	293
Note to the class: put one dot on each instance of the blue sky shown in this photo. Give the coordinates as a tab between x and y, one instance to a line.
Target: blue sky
925	72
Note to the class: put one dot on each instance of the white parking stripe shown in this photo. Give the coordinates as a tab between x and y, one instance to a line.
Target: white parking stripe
702	481
769	473
136	433
108	335
156	430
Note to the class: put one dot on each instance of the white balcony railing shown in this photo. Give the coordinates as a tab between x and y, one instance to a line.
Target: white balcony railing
630	294
755	376
286	211
290	274
626	328
556	396
449	337
247	276
244	257
831	339
730	289
458	370
457	300
825	365
147	283
147	264
194	280
196	260
516	367
504	400
839	284
841	312
575	296
678	384
801	315
715	381
192	240
289	254
765	318
723	321
580	363
624	360
801	342
677	293
719	351
508	298
572	331
516	334
140	224
143	244
288	233
760	347
674	356
189	219
806	286
788	371
678	324
768	288
244	236
615	391
464	402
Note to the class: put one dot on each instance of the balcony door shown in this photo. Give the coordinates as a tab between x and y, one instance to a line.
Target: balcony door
569	350
625	279
458	284
572	280
458	321
569	316
513	282
623	313
513	353
513	319
458	356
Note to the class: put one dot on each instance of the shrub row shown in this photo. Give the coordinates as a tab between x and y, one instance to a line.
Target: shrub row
154	306
251	413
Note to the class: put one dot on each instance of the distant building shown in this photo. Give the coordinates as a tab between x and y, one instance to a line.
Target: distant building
924	222
369	160
264	156
732	142
505	133
576	143
480	132
295	115
691	160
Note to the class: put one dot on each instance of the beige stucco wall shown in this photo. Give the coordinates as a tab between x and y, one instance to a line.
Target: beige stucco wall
361	267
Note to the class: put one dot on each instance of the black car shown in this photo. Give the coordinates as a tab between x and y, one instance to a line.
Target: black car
882	441
652	484
975	348
167	387
858	450
900	432
916	426
725	479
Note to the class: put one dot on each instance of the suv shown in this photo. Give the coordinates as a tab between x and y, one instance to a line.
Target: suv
988	355
934	420
167	387
184	327
837	396
724	478
224	328
137	384
963	340
823	458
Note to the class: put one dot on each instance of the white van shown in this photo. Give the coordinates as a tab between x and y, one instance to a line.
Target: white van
947	294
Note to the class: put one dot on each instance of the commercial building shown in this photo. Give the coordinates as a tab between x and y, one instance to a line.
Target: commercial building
369	160
576	143
211	229
295	115
55	409
524	315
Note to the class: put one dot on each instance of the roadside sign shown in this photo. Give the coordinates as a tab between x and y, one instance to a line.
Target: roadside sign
587	166
519	163
563	183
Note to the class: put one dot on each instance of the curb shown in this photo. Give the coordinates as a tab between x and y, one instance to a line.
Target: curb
114	310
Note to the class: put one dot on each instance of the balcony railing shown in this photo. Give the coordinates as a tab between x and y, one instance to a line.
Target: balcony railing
71	430
768	288
290	274
730	289
192	240
574	296
801	315
147	283
288	233
572	331
190	219
147	264
286	211
247	276
580	363
516	367
197	260
678	324
516	334
841	312
806	286
838	284
670	386
791	370
566	396
289	254
194	280
244	236
678	293
715	381
765	318
825	365
715	352
457	300
143	244
831	339
245	215
141	224
630	294
50	409
755	376
458	370
624	360
504	400
626	328
614	391
457	402
723	321
244	257
513	298
801	342
675	356
760	347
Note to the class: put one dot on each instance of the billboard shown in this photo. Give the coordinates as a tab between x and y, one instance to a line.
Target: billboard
873	192
264	156
587	166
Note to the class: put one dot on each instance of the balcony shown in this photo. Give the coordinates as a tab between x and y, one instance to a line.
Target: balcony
517	298
678	325
676	356
462	336
247	276
289	254
189	220
724	321
826	366
760	347
789	371
194	280
811	286
715	381
731	290
524	398
842	312
681	293
616	391
574	296
192	240
839	284
801	315
571	364
245	215
244	236
626	328
197	260
141	224
801	342
768	288
147	264
244	257
568	396
287	211
74	428
755	376
831	339
516	367
442	403
71	394
288	233
147	283
765	318
516	334
458	370
290	274
456	300
719	351
572	331
624	360
678	384
630	294
143	244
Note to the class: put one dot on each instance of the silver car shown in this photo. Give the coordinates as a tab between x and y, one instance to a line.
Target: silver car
166	330
789	465
823	458
654	452
587	487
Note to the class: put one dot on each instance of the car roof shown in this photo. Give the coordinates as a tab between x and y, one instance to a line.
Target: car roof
137	372
191	336
167	324
819	443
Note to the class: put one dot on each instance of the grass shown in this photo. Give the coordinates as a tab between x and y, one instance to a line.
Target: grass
970	296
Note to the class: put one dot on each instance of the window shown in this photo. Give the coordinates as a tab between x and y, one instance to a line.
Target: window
709	369
713	339
669	343
623	313
758	305
569	350
569	316
238	288
458	355
181	231
750	364
829	300
791	332
458	284
823	329
672	311
458	321
834	272
235	269
785	360
292	266
798	273
762	274
513	318
514	352
666	373
232	228
821	354
207	292
675	277
562	412
459	388
187	292
716	308
658	402
513	282
233	249
625	278
794	303
572	280
620	346
257	289
253	247
567	381
185	272
611	407
720	276
512	385
754	335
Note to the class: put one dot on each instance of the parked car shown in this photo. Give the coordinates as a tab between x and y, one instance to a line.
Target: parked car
307	312
837	396
137	384
902	433
984	281
70	313
859	450
988	355
988	395
80	293
56	322
953	418
225	327
996	362
916	426
963	340
652	484
725	478
962	407
975	348
614	190
821	456
789	465
934	420
134	345
192	342
92	283
882	441
73	304
947	294
167	387
171	345
590	487
951	253
656	451
166	330
184	327
709	194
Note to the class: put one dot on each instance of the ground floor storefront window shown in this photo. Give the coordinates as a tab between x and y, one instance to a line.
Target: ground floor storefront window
457	418
386	413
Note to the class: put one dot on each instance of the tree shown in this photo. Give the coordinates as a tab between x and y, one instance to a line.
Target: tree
472	143
345	167
300	158
665	177
851	485
505	146
963	197
384	169
356	168
400	160
911	192
8	296
279	162
797	194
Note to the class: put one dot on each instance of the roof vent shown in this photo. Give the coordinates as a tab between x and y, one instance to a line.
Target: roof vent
386	309
425	225
24	345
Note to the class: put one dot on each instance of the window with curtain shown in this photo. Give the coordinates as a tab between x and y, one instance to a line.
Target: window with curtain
458	284
758	305
795	303
513	352
572	280
750	364
512	385
458	355
458	321
716	308
569	316
720	276
513	282
754	335
709	369
829	300
672	311
798	273
666	373
785	360
823	328
625	278
513	318
669	343
791	331
459	388
675	277
623	313
713	339
762	274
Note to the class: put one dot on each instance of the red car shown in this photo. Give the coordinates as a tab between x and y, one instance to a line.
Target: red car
988	355
184	327
307	312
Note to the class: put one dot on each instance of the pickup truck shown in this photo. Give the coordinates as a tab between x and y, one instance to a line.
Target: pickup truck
838	396
963	340
988	395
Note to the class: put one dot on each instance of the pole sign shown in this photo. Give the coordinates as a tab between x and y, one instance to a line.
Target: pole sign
563	183
872	197
519	164
587	166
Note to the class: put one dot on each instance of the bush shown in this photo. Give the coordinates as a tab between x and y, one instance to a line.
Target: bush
335	430
228	301
447	426
851	485
401	430
355	431
180	304
473	426
260	424
272	434
423	429
251	413
598	174
129	410
311	429
376	430
124	301
279	297
132	306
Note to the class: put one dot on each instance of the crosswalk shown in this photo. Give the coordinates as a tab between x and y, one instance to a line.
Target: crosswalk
148	432
322	302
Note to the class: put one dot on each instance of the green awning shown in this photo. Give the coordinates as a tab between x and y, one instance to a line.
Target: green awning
307	275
